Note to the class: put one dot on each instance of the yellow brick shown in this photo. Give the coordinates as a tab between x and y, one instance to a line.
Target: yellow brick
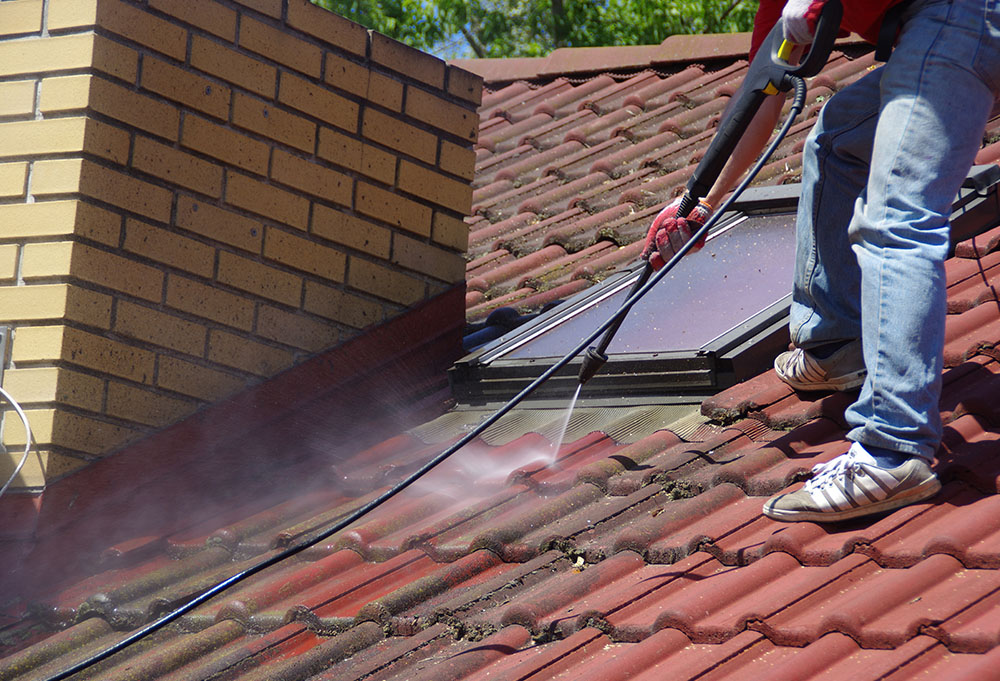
386	91
65	93
20	16
328	27
115	59
219	224
32	476
281	47
349	152
59	218
48	260
393	133
450	231
272	8
344	150
340	306
224	144
67	14
319	102
107	141
17	98
434	261
383	282
39	343
378	164
205	14
42	302
143	406
133	23
51	384
465	85
442	114
177	167
120	189
346	229
72	93
259	279
146	113
433	186
393	209
246	355
232	66
158	328
407	60
209	303
347	75
305	255
72	431
27	138
457	160
8	264
67	258
296	330
274	123
13	179
63	135
185	87
63	53
35	344
283	207
311	177
170	248
193	380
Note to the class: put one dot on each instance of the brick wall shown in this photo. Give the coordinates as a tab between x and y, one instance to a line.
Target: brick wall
198	194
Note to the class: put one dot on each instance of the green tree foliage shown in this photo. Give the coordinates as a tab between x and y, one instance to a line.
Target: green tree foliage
529	28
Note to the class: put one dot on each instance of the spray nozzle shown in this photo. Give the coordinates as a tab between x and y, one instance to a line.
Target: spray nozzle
593	360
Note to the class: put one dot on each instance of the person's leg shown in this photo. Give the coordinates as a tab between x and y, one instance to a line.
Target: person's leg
923	147
824	323
826	291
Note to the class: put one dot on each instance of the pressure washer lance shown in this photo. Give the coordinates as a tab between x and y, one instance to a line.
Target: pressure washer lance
770	72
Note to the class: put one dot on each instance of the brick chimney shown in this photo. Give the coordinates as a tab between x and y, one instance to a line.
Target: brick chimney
196	195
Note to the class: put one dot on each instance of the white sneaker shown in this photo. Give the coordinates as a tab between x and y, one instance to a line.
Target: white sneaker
843	370
854	485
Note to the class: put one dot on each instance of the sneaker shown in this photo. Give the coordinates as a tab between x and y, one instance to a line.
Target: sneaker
843	370
854	485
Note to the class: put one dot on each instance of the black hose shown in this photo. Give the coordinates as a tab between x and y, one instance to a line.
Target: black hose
797	105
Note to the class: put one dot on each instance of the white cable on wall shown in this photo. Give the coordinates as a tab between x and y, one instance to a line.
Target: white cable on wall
27	443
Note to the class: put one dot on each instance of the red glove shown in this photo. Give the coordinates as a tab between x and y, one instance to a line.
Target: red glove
668	232
799	19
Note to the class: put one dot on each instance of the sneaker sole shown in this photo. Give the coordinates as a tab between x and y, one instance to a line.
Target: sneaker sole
919	493
842	384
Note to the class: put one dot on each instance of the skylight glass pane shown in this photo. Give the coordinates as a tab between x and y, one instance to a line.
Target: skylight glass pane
739	273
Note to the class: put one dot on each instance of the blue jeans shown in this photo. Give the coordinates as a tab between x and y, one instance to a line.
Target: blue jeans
881	169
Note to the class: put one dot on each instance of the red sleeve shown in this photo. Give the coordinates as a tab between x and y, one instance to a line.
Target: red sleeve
767	16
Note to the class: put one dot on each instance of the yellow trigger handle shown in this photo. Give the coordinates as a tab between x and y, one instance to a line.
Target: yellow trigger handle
784	54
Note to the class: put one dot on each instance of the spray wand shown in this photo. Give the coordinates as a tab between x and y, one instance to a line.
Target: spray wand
770	72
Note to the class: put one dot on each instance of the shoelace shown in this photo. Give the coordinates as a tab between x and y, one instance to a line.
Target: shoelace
825	473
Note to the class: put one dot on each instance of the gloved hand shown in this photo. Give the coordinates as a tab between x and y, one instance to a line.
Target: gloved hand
799	19
668	232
